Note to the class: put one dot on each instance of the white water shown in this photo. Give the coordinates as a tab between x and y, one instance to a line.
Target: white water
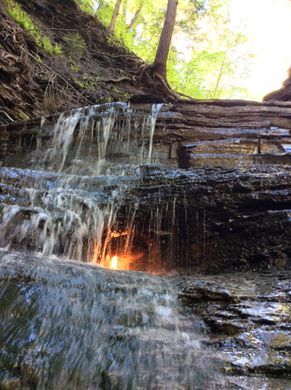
75	222
89	327
98	329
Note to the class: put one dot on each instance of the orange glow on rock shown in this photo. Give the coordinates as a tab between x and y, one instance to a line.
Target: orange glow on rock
116	252
120	262
115	234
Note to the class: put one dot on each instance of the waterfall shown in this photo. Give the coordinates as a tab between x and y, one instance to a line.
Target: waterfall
84	326
67	215
91	328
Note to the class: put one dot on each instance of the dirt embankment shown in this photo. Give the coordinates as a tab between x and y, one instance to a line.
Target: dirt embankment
91	67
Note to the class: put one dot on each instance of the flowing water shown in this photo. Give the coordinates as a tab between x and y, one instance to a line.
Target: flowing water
71	326
68	325
78	182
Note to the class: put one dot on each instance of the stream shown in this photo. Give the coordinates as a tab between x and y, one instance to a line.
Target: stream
80	327
86	299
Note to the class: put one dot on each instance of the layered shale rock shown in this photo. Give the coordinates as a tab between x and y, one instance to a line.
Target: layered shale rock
230	211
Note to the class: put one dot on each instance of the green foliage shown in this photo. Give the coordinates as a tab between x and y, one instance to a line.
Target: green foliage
75	46
25	21
104	12
87	6
210	64
50	47
87	82
206	56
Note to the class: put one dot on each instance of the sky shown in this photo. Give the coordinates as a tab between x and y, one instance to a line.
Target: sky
267	24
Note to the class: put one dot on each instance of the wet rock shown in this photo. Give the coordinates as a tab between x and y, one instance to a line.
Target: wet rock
214	218
8	381
204	294
252	334
218	325
143	98
276	369
266	337
257	382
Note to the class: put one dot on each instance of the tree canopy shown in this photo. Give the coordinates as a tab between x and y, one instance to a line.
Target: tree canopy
206	50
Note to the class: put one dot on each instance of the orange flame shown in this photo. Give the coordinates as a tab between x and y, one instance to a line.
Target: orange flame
121	263
114	262
120	260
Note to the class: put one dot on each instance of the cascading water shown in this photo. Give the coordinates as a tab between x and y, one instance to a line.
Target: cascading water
86	328
62	217
82	326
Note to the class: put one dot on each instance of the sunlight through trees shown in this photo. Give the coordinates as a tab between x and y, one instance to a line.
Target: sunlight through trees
215	48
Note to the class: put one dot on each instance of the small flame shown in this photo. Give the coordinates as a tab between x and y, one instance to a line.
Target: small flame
117	262
121	263
115	258
114	262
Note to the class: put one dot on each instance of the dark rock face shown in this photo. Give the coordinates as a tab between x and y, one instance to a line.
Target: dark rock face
224	220
207	221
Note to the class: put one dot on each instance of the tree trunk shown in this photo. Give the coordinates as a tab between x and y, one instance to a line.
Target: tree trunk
114	16
160	62
215	96
134	19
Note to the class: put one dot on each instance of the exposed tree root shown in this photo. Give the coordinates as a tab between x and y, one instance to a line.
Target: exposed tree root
118	80
4	112
159	84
